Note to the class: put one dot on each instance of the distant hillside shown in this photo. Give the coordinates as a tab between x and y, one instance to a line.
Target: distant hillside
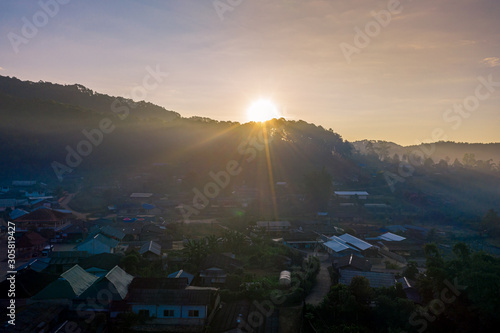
448	151
49	130
78	95
41	121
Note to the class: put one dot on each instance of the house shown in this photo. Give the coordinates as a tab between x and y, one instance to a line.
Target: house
353	263
213	276
223	261
17	213
347	244
71	233
43	218
150	250
172	310
302	240
411	292
98	244
274	226
31	244
61	261
338	247
376	279
234	317
112	232
349	195
12	203
182	274
114	284
387	237
34	194
71	284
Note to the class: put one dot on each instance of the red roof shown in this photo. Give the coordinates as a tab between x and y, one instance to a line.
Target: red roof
42	214
31	239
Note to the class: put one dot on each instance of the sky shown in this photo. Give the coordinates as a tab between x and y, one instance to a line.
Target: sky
402	71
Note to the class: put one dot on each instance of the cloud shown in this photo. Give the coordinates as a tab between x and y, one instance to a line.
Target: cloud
491	62
1	68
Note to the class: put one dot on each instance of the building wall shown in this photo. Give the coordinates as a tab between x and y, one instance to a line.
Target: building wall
200	308
179	311
176	308
151	308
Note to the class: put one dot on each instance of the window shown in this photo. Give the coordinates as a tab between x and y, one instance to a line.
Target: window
168	313
194	313
144	313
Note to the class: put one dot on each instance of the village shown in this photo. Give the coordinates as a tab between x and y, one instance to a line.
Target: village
141	265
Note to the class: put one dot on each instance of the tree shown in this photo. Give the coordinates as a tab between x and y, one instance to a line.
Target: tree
462	251
428	163
212	242
196	251
130	262
491	223
319	188
411	270
360	288
469	160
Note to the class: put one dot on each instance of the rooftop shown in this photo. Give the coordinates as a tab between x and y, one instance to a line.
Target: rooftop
376	279
151	247
352	193
70	284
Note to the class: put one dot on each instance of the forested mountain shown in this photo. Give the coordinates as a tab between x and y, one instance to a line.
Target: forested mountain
443	150
49	132
41	120
80	96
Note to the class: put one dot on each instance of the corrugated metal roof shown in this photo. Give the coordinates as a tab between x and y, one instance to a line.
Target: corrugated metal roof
182	274
17	213
376	279
352	261
120	279
112	243
78	279
151	247
116	281
337	245
354	241
113	232
351	193
389	236
70	284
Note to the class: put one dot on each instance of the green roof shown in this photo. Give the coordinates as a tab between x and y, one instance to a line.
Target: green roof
70	284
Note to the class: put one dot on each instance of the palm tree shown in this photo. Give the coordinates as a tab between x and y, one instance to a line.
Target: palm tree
196	251
212	243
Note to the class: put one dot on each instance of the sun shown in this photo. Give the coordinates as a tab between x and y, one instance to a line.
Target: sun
262	110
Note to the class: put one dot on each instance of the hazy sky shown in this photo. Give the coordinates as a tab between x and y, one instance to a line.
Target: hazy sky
397	83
